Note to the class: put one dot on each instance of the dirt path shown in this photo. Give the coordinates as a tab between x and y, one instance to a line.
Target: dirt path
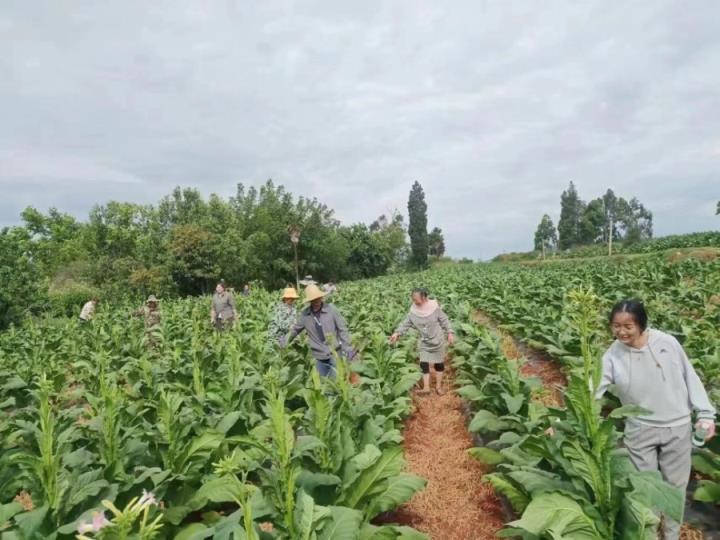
456	504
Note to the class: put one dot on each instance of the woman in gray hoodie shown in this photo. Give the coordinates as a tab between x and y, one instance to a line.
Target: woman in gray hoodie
433	325
649	368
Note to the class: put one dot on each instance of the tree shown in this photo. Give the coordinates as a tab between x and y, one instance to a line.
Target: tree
392	234
21	292
592	222
571	211
193	254
636	220
545	235
436	243
417	229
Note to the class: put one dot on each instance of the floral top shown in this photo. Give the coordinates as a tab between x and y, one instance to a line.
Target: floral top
282	320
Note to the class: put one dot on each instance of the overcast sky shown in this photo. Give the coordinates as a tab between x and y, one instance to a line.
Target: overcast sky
493	106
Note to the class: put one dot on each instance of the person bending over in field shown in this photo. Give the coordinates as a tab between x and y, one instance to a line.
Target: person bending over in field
284	315
222	311
88	310
326	329
649	368
433	325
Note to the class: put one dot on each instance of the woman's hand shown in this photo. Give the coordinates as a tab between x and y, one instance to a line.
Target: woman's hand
393	339
707	424
451	339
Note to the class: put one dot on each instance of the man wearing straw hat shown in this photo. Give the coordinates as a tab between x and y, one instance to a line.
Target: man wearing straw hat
284	316
326	329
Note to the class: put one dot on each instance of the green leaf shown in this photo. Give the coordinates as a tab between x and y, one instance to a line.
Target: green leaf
389	464
486	422
513	403
400	489
344	524
9	510
707	492
518	499
307	515
707	463
651	490
628	411
487	456
307	444
228	421
192	532
30	522
557	516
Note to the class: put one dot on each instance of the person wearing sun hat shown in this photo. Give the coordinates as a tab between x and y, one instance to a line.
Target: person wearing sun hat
284	315
307	280
326	329
150	312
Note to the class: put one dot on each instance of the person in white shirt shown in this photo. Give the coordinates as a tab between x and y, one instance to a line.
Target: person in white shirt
88	310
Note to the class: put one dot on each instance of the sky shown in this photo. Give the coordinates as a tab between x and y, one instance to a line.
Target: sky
494	106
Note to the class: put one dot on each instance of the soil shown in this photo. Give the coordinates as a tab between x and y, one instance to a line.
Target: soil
456	503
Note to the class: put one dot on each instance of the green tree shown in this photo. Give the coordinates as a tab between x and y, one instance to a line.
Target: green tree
571	211
192	258
417	229
436	243
636	220
392	233
592	222
545	235
22	292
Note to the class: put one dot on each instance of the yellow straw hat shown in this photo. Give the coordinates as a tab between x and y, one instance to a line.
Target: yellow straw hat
290	292
313	292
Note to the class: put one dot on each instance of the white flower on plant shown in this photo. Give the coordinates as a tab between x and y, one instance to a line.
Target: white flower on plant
147	499
99	521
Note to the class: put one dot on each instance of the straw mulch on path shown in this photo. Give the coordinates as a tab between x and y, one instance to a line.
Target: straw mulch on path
456	504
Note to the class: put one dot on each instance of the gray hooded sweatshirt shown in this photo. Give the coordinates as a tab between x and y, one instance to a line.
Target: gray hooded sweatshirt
658	377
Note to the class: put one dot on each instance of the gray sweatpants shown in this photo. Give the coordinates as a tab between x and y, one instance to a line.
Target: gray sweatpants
667	449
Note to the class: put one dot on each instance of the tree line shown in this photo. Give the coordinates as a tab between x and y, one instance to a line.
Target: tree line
186	242
603	220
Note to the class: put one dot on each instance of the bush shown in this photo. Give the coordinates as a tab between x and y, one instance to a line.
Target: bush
69	298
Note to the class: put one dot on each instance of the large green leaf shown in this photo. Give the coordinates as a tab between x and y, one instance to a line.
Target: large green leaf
707	492
487	456
307	515
399	490
486	422
558	516
518	499
344	524
367	483
654	492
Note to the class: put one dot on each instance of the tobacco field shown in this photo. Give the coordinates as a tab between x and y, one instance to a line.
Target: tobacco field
223	436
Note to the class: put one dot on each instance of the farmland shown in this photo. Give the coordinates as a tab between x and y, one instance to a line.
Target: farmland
222	436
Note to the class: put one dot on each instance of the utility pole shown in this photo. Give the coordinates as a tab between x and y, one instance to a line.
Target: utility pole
294	231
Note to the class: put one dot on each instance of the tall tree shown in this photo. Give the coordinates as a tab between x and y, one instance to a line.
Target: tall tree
571	210
417	229
636	220
436	243
545	235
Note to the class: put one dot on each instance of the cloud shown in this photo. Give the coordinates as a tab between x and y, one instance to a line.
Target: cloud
493	106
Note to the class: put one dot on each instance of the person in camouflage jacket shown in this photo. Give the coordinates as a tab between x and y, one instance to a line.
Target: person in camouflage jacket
150	312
